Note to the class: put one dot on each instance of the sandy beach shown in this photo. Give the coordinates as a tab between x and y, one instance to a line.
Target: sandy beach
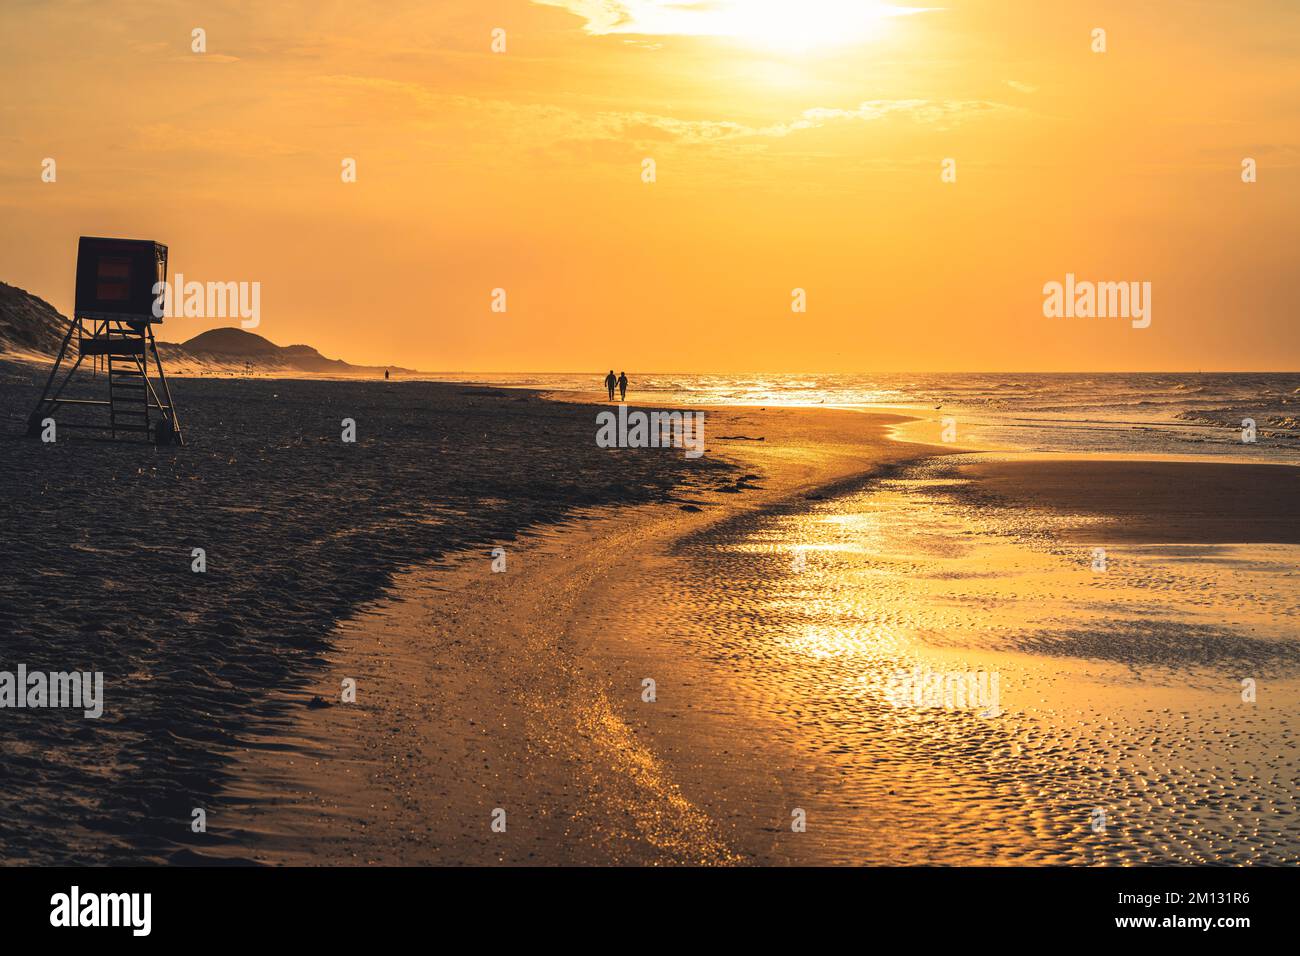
299	530
772	621
569	654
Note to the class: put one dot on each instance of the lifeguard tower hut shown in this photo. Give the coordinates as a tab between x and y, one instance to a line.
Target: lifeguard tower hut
112	324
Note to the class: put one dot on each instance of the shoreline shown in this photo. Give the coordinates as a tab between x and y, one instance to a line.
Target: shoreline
537	706
607	781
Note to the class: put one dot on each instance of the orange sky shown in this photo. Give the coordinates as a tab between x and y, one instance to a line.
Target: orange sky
798	145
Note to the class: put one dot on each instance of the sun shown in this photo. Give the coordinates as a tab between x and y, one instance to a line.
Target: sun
782	25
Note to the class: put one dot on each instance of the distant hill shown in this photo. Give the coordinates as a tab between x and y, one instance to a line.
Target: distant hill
32	327
234	347
230	342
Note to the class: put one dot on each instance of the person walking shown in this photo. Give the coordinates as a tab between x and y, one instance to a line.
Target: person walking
622	386
610	382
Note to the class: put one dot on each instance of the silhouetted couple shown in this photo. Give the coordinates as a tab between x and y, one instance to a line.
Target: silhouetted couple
621	382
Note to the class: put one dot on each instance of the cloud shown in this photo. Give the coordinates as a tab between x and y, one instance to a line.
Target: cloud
943	113
939	113
724	18
548	123
1022	87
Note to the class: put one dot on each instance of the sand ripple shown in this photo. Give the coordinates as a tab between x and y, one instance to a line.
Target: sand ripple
1121	691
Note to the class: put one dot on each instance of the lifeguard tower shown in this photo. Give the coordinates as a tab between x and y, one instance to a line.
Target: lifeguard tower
112	323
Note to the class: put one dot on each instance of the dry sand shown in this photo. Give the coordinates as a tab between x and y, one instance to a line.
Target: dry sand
299	530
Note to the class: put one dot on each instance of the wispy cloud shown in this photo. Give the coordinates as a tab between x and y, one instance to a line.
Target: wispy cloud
930	112
635	126
728	17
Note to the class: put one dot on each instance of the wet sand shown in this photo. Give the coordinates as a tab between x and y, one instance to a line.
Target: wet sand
771	622
1121	690
1167	502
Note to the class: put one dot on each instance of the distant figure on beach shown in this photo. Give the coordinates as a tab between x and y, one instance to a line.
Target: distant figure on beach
622	387
610	382
385	375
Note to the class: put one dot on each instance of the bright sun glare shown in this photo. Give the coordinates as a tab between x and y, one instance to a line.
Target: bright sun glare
792	25
799	25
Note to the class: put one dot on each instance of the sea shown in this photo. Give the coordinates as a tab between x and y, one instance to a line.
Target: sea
1241	415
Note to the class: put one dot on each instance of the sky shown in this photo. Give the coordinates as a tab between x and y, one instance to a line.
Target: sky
796	145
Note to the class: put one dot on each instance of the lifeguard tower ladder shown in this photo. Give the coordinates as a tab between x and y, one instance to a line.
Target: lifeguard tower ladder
112	323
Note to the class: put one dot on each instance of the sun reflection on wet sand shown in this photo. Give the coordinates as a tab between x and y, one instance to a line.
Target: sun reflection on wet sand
1120	691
